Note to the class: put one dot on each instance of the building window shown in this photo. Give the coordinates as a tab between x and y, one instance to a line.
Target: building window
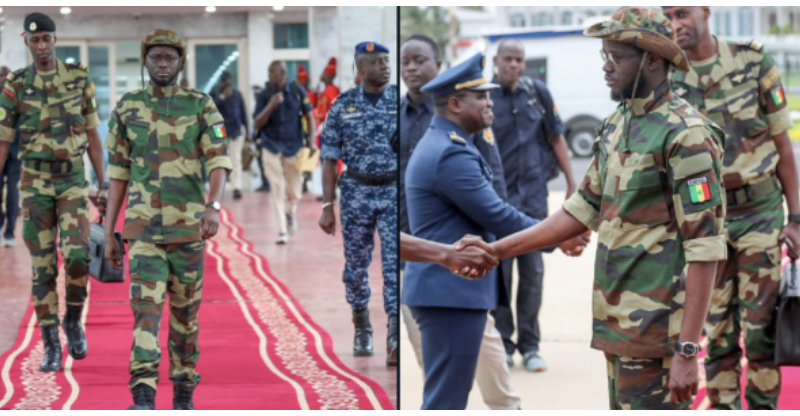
745	21
566	19
517	20
291	35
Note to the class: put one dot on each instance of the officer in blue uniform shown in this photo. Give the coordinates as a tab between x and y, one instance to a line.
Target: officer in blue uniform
358	131
449	194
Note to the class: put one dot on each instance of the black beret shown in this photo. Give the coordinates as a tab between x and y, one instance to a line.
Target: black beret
38	22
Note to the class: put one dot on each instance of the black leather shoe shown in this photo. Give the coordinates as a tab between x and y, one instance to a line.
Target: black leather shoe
76	339
182	399
362	343
51	362
237	194
144	397
391	341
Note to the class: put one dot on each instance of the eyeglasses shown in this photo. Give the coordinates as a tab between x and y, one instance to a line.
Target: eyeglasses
614	58
168	59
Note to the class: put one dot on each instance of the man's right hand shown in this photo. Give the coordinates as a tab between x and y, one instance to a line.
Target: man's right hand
112	252
276	99
328	220
470	262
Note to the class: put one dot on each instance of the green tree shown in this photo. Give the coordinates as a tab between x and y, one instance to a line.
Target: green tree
431	21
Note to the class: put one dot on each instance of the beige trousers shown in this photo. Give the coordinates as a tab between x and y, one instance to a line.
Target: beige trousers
492	375
285	184
235	147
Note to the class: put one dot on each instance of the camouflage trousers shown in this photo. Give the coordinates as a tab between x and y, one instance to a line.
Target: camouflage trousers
366	208
155	270
744	299
640	384
51	204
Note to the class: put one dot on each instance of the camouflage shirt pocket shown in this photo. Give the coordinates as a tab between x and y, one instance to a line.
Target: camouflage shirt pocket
696	182
744	111
642	203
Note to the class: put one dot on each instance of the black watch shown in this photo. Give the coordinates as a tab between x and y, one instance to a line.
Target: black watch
687	349
794	217
102	186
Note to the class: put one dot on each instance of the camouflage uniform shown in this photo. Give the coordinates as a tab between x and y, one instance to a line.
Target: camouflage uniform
52	112
740	89
654	196
358	133
157	137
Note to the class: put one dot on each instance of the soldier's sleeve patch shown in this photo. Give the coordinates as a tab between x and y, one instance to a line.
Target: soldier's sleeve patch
219	131
777	95
94	103
698	190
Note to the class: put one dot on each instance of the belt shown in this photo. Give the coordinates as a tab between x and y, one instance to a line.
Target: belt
373	180
752	191
54	166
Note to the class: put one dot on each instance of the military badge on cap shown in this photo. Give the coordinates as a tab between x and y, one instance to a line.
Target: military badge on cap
370	47
32	27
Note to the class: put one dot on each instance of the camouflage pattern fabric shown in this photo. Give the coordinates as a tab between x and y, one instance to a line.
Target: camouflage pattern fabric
740	89
359	133
364	209
51	204
156	139
647	29
155	270
657	203
741	92
52	118
640	384
744	300
52	112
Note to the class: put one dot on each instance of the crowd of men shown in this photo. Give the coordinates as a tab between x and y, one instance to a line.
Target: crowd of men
163	141
685	192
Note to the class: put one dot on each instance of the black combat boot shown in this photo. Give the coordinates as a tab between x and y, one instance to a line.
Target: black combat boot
182	399
144	397
391	341
362	344
52	349
76	339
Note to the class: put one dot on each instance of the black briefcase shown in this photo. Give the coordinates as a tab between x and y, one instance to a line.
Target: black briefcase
100	268
787	337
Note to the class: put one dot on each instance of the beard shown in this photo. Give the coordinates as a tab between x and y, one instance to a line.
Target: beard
167	83
627	90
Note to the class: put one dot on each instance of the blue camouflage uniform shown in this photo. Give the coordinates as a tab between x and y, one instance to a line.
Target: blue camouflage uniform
359	133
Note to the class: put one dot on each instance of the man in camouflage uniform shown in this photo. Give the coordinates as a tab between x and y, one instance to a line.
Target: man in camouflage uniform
52	106
358	131
156	139
653	193
738	86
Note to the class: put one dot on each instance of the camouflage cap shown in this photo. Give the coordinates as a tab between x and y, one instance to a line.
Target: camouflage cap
645	29
164	37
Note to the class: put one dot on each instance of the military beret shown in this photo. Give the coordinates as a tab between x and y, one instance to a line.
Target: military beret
370	47
467	75
38	22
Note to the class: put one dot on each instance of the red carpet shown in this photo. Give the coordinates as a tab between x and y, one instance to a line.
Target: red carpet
258	348
790	378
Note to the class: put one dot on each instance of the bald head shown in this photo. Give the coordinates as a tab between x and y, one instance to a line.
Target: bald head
277	73
690	24
510	62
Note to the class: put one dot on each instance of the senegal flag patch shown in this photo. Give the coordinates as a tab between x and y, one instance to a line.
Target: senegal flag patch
777	95
94	103
219	131
698	190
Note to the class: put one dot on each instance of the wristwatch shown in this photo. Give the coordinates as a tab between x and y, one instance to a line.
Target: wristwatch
215	205
104	185
687	349
794	217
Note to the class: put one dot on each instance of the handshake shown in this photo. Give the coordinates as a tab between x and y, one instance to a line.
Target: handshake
472	258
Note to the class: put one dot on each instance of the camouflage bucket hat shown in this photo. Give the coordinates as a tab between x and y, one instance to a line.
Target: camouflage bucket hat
164	37
645	29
